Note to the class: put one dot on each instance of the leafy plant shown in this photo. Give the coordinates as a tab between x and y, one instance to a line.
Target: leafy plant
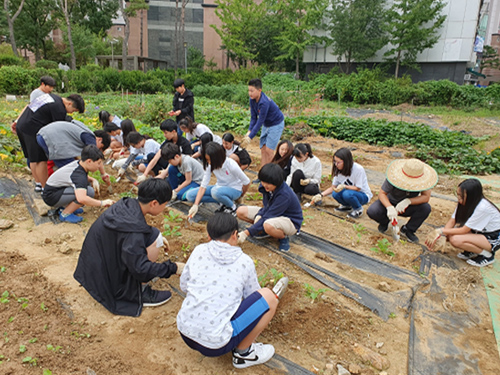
272	276
185	250
24	302
22	348
314	293
46	372
382	246
3	269
80	335
360	230
254	197
33	340
173	217
307	217
53	348
43	307
32	361
128	194
5	297
171	231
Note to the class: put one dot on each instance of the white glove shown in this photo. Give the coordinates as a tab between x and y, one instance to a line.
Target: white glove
174	195
391	213
121	171
433	237
245	142
242	237
257	218
165	243
180	268
317	198
339	188
403	205
305	182
107	202
141	178
96	186
193	210
108	152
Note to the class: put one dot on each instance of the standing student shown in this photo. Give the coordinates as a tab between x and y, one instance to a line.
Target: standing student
232	182
183	102
225	309
305	173
235	151
265	114
474	227
349	186
406	192
284	156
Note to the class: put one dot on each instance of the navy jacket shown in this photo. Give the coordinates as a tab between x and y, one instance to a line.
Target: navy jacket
185	103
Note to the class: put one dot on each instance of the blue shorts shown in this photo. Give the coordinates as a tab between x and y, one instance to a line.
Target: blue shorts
270	135
243	321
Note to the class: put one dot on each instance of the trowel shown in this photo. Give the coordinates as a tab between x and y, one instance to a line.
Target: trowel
395	229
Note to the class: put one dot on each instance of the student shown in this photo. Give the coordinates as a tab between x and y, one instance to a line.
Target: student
188	172
219	271
406	192
69	186
283	156
349	186
281	214
265	114
147	148
183	102
231	184
235	151
194	131
45	109
156	163
115	133
474	227
305	173
105	117
120	251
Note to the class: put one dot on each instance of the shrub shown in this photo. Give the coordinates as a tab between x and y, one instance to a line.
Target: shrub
47	64
11	60
17	80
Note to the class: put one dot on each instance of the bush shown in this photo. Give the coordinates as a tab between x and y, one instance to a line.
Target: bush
11	60
396	91
47	64
17	80
436	92
232	93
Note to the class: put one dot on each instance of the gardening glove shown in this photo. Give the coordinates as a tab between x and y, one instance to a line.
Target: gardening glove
193	210
161	242
96	186
317	198
392	214
121	171
242	237
339	188
174	195
108	152
107	202
305	182
141	178
403	205
245	142
433	237
105	177
180	268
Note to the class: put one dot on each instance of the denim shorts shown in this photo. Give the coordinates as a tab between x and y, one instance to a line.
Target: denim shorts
270	135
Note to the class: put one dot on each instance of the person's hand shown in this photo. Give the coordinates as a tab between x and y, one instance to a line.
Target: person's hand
245	142
339	188
96	186
141	178
317	198
174	195
106	179
171	113
165	243
242	237
392	214
121	171
107	202
193	210
180	268
305	182
13	127
433	237
107	152
403	205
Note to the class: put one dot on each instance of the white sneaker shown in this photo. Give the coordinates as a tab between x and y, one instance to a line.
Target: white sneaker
257	355
280	287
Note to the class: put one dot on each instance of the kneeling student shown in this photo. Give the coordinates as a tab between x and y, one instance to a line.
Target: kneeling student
68	187
281	215
120	251
225	309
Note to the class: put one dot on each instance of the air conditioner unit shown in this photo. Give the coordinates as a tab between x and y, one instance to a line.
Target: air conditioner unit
467	77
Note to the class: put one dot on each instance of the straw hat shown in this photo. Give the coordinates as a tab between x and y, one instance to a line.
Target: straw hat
411	175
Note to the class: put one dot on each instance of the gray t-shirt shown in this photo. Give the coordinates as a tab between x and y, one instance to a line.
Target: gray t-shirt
396	195
35	94
188	164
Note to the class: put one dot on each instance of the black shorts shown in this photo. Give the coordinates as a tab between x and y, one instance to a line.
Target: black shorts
31	149
245	158
492	237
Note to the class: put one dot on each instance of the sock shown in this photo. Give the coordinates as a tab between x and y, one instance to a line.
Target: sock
243	352
234	207
38	184
64	215
486	254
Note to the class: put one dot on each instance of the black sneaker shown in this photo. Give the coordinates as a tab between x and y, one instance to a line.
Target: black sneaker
355	214
229	210
410	236
38	188
151	298
466	255
481	261
343	208
382	228
220	209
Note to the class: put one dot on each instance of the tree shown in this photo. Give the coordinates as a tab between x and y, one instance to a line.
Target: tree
95	15
127	12
10	22
299	18
412	26
489	59
356	29
63	5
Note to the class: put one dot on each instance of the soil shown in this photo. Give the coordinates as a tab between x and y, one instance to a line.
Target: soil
50	322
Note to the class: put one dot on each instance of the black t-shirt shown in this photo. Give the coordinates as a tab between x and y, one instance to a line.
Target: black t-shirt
71	175
396	195
42	111
183	143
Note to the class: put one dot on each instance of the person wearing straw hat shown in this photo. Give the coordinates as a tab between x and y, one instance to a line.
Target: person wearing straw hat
405	192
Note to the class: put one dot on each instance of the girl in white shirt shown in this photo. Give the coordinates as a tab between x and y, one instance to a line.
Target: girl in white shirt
305	173
349	186
474	227
231	184
194	131
235	151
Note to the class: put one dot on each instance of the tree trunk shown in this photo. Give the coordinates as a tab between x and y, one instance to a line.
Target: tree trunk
64	7
396	74
10	22
297	59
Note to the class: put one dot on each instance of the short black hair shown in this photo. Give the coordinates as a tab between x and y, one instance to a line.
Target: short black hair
92	152
48	81
302	149
178	82
78	102
106	138
169	151
154	189
104	116
256	82
221	226
134	138
217	155
272	174
168	125
228	137
110	127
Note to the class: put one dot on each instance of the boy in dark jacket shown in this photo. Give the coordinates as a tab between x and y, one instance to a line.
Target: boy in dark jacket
183	102
281	215
120	250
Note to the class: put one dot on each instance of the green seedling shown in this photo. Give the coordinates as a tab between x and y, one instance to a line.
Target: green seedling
46	371
54	349
33	340
32	361
314	293
5	297
22	348
383	247
185	250
43	307
24	302
80	335
307	218
173	217
2	358
11	319
5	338
171	231
127	194
254	197
392	315
3	269
360	230
272	276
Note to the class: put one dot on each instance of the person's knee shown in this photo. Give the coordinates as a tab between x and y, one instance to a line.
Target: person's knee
191	195
454	240
372	212
268	228
242	212
216	193
426	209
270	298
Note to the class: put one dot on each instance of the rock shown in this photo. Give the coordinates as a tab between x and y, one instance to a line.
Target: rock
323	257
329	366
22	218
354	369
41	207
383	373
342	371
90	371
384	286
131	330
5	224
184	369
374	359
378	345
47	240
65	249
491	286
396	154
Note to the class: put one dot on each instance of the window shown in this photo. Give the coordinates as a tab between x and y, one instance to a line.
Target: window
197	15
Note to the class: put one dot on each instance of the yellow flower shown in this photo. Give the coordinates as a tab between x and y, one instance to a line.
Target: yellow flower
3	131
3	156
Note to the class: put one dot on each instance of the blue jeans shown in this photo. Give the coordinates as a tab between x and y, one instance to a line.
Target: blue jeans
352	198
216	194
175	178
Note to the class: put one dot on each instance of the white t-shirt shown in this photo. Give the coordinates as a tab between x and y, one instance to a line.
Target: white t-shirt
485	218
357	178
200	130
229	175
311	168
150	147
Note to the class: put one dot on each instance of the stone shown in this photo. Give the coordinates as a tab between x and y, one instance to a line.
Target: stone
65	249
323	257
384	286
41	207
396	154
5	224
131	330
373	358
47	240
342	371
378	345
354	369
